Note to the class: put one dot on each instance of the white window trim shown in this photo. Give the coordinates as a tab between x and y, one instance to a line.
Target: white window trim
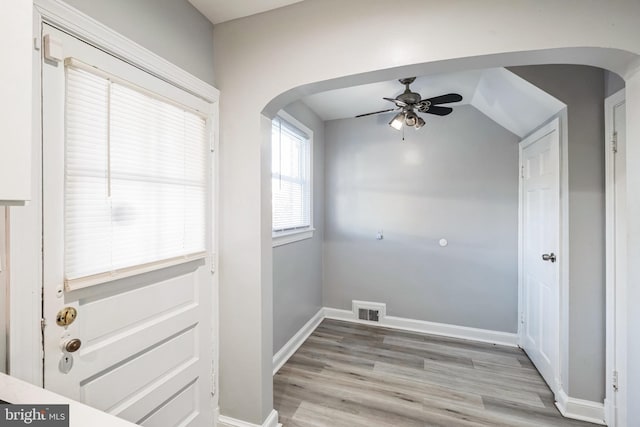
285	237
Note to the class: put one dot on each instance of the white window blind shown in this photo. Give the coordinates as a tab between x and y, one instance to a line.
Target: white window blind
135	177
291	177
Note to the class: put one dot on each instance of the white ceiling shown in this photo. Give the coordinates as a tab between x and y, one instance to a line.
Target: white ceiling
225	10
509	100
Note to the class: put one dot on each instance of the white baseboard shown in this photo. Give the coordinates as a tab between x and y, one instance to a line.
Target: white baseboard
296	341
608	411
578	409
421	326
271	421
463	332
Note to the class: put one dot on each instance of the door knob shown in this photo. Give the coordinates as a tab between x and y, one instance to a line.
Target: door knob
71	345
549	257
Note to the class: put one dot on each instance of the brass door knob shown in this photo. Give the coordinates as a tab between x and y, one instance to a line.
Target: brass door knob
72	345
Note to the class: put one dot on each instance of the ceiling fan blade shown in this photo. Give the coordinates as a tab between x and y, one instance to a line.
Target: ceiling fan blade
375	112
444	99
396	101
438	111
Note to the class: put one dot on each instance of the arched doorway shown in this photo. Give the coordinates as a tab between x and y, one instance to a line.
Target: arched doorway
262	65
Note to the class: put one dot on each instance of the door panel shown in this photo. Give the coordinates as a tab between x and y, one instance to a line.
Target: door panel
181	407
147	340
540	235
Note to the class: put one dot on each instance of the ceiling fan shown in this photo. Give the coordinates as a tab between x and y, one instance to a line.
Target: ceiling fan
409	102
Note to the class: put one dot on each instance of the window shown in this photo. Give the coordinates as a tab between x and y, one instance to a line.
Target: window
291	148
135	178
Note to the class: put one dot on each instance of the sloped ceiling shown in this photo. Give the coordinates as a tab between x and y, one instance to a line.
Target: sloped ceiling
218	11
507	99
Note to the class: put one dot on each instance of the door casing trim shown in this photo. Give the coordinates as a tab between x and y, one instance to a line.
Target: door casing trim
616	337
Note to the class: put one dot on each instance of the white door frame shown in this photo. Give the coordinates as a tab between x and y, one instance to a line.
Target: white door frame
25	352
616	337
556	124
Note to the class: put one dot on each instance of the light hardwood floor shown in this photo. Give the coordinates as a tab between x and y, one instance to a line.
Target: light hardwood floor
354	375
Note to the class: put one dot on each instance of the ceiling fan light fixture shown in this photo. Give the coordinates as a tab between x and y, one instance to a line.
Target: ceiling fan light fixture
409	103
411	118
397	121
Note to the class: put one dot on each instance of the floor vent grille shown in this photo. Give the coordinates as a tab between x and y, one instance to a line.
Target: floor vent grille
369	311
368	314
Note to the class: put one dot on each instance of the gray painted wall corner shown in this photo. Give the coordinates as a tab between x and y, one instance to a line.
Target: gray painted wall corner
612	83
582	88
297	267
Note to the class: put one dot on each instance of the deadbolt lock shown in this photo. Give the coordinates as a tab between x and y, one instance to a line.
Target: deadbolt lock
66	316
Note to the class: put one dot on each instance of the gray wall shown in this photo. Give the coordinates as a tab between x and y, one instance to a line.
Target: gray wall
582	89
456	178
612	83
173	29
297	267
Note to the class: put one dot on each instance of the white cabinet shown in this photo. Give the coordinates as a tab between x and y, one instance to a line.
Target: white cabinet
15	100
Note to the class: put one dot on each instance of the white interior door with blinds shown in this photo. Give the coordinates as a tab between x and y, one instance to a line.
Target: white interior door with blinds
127	230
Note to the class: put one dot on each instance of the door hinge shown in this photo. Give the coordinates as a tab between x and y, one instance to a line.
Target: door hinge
37	44
43	324
213	260
522	318
614	142
213	382
615	380
522	171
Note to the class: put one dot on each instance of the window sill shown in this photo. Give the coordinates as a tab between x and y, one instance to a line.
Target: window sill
292	236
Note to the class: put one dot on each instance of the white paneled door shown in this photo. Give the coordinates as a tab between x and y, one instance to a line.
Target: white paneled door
139	344
540	210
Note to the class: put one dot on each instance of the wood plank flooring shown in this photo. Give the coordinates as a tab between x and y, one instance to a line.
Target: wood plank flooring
355	375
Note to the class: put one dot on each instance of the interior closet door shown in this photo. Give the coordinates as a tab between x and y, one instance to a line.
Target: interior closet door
540	175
